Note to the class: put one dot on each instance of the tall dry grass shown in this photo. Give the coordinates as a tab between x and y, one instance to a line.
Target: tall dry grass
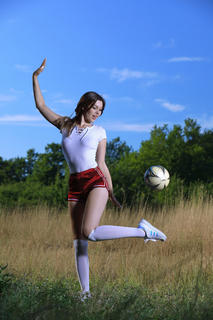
38	243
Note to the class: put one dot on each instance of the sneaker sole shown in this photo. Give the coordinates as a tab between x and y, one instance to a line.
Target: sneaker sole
149	225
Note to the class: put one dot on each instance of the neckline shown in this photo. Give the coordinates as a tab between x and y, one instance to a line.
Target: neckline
83	128
80	131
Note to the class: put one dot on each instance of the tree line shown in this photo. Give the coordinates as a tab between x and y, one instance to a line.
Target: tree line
186	152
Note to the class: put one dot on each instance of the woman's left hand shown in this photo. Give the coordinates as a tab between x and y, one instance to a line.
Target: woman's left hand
114	200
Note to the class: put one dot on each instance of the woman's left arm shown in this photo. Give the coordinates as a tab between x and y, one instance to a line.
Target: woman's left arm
100	158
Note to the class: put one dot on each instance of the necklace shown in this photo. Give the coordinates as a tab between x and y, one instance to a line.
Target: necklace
80	130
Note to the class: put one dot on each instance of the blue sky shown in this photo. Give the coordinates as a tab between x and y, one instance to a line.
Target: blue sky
151	60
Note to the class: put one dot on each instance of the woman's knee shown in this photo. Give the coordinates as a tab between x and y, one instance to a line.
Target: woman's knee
87	231
78	235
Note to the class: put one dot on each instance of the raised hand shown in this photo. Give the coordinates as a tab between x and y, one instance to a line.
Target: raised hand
40	69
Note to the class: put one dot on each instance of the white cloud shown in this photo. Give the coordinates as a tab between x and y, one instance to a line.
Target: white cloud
170	106
176	77
102	70
7	98
152	82
64	101
12	20
171	43
186	59
123	74
160	44
16	91
106	96
122	99
20	118
206	122
131	127
23	67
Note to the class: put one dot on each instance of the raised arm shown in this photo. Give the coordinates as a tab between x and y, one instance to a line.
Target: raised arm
48	114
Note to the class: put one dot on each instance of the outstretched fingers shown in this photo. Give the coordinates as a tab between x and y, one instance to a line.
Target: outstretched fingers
43	63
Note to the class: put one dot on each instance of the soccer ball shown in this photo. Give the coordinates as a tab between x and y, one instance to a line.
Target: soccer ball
157	177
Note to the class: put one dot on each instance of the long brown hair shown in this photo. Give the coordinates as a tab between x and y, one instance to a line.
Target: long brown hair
85	103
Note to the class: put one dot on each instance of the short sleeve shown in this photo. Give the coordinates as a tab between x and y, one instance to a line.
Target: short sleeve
102	134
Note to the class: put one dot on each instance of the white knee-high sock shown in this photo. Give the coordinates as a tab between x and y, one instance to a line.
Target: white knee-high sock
82	263
115	232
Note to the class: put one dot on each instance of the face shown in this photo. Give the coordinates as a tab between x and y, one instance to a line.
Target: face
94	112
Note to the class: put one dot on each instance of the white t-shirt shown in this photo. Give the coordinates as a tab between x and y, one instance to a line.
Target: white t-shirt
79	149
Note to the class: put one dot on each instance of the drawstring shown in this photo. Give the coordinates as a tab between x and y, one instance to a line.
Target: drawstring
84	134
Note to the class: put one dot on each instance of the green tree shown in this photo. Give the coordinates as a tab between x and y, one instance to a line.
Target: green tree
32	157
49	164
3	174
196	155
186	152
12	170
115	150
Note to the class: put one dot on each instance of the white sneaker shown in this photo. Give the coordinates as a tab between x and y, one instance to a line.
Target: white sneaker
151	232
85	295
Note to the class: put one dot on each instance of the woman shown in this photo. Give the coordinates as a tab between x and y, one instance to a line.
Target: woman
90	184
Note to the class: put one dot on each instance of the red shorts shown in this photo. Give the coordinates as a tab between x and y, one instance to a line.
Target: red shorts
80	184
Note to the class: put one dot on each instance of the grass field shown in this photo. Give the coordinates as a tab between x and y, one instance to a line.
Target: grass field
170	280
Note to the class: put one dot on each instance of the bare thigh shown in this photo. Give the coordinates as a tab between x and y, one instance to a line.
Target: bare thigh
93	210
76	210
